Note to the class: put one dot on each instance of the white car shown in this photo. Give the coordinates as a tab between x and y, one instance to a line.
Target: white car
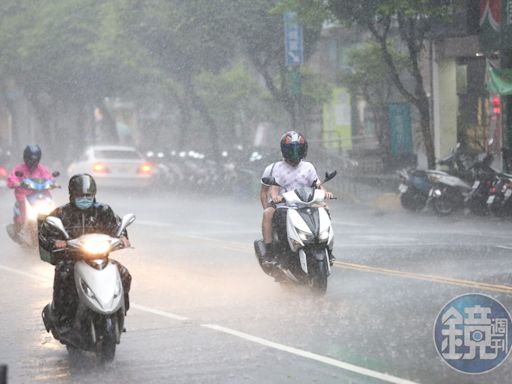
115	166
3	176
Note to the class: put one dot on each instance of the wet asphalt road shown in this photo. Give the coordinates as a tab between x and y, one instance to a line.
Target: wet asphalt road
203	312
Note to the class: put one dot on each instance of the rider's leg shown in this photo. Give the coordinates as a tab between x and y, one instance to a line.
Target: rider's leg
64	291
266	228
20	218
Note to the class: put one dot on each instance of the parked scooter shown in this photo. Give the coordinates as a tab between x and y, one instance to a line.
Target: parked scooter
38	204
484	181
304	241
447	193
99	318
499	202
414	188
416	185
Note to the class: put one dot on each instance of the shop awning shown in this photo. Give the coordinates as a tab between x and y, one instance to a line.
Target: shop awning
498	81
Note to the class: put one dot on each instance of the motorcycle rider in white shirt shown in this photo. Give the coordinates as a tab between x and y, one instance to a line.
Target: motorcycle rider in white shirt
290	173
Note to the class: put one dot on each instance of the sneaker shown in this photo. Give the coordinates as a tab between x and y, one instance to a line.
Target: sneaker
269	259
332	259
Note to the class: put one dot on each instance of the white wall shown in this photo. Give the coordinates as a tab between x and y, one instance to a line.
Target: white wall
445	106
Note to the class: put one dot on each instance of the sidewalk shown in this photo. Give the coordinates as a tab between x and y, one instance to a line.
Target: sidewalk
374	191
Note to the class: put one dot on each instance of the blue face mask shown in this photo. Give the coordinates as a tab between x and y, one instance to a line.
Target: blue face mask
84	202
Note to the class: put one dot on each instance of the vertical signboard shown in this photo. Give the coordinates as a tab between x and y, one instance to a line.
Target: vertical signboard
337	127
495	24
400	128
293	42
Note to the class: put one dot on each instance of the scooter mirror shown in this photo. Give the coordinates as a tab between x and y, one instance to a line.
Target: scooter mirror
330	175
269	180
56	174
125	221
490	142
55	222
18	173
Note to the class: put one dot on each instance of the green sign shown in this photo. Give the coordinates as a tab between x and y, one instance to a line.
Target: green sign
498	81
337	127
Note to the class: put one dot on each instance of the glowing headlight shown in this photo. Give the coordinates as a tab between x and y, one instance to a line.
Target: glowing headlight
96	247
43	208
305	236
324	235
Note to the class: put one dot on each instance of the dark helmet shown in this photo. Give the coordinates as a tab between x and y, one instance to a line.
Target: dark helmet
294	147
81	184
32	156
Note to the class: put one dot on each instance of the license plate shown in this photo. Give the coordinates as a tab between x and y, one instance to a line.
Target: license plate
403	188
490	199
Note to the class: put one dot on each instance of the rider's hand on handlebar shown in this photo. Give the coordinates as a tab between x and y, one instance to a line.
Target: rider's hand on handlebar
277	199
125	241
59	244
328	195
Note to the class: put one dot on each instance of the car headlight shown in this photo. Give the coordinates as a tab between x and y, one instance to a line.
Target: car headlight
305	236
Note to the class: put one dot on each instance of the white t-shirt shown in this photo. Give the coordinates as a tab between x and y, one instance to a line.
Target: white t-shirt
266	173
291	177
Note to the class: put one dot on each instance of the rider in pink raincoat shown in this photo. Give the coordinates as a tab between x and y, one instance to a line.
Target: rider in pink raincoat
30	168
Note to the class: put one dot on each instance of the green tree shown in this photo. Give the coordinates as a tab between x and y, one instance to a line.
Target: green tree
367	75
259	27
414	20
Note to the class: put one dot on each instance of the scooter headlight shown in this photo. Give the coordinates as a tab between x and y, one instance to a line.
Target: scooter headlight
324	235
43	208
97	246
305	236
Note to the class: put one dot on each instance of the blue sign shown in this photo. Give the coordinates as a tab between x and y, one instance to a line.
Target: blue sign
472	333
293	42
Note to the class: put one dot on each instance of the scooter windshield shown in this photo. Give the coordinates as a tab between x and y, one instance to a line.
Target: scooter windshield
305	194
38	184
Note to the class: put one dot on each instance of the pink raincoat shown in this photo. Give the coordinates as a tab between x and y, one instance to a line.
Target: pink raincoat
20	193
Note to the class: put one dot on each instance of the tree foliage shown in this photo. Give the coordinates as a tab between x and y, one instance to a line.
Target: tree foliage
414	21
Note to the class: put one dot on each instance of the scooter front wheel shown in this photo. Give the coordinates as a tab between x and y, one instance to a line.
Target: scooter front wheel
318	279
106	349
443	206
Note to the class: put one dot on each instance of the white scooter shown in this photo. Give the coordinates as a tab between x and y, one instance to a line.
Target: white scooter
304	242
99	318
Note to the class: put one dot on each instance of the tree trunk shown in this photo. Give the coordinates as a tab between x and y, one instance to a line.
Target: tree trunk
201	107
424	110
108	124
